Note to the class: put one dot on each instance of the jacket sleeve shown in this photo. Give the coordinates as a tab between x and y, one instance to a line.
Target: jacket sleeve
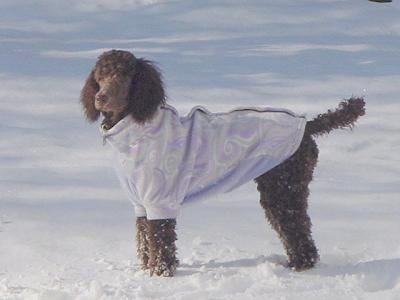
129	188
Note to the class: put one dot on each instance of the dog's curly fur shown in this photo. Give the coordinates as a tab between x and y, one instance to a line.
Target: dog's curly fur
283	190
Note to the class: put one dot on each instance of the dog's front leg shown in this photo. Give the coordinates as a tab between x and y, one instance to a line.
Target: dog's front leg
162	249
142	241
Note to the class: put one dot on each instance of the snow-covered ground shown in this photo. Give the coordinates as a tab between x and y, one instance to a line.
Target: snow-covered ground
66	229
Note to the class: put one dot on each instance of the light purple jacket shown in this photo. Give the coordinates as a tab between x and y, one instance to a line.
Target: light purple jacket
172	159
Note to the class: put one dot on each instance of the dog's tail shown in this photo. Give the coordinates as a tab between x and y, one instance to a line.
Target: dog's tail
344	116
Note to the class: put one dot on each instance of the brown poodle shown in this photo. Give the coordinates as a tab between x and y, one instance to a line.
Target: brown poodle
126	89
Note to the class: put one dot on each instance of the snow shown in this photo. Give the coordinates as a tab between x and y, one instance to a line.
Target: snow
66	228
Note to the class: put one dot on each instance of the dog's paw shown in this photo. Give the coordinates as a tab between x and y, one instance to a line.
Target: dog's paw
302	264
164	269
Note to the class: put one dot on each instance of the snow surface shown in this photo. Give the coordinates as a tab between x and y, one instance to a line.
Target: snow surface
66	229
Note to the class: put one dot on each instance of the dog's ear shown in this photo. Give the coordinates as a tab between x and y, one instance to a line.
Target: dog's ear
88	93
147	91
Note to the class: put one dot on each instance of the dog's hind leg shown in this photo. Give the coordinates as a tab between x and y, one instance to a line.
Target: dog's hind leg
142	241
162	249
284	192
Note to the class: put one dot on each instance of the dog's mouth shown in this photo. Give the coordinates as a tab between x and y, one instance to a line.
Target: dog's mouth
111	105
111	111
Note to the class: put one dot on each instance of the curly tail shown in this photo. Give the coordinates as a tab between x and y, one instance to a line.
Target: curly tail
344	116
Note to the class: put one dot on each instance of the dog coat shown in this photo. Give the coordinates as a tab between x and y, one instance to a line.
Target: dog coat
172	159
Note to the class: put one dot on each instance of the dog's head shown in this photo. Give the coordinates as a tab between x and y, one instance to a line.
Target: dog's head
121	84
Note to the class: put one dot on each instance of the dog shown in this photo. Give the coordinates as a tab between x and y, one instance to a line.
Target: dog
164	160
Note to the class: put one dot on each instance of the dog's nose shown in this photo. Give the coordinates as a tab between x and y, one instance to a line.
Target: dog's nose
101	98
